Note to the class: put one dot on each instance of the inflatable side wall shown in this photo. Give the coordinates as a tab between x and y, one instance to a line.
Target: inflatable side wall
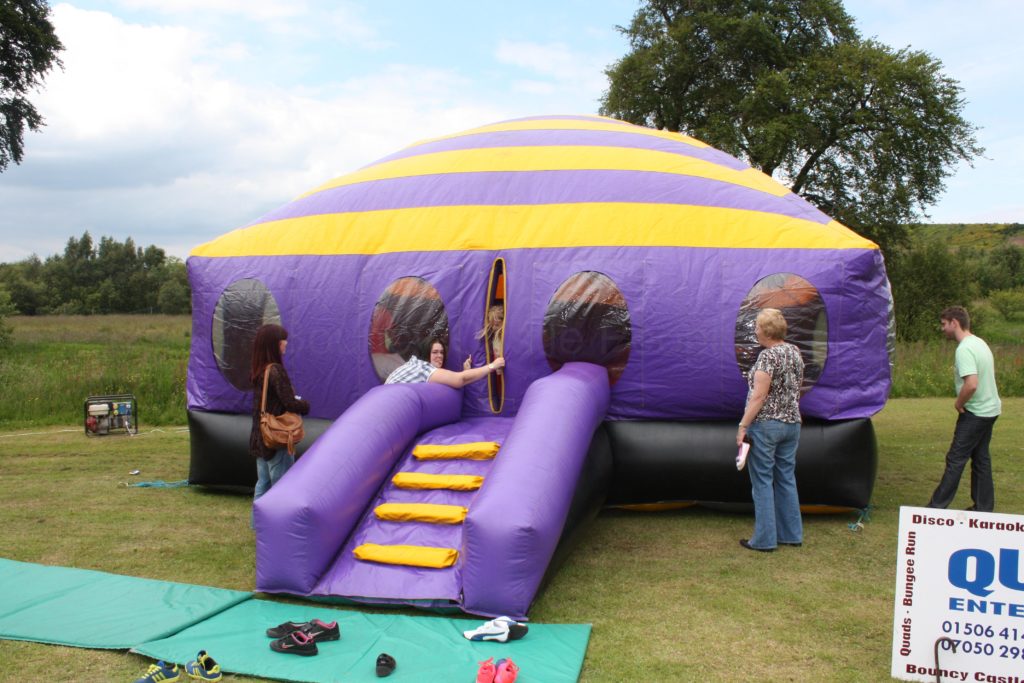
653	462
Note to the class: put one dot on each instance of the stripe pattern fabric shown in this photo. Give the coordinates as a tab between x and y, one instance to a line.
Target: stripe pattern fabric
544	182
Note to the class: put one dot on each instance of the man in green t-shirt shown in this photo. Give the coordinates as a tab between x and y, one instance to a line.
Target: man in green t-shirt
977	402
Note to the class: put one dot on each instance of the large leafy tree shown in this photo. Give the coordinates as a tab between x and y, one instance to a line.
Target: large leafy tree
866	133
28	50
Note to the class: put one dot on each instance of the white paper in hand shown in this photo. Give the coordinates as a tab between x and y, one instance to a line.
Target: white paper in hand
741	456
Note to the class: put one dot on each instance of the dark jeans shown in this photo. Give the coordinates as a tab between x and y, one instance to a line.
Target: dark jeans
970	441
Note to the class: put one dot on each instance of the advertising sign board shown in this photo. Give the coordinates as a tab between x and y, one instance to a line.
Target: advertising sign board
959	608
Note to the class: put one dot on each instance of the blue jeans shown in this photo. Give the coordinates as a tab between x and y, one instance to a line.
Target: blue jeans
970	442
772	466
270	471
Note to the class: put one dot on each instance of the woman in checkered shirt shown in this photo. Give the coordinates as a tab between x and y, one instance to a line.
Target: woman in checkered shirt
415	370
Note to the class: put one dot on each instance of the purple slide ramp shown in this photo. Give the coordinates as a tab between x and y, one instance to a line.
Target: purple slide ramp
308	524
305	519
425	587
515	522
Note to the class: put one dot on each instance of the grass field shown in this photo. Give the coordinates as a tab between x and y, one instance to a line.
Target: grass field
671	596
59	361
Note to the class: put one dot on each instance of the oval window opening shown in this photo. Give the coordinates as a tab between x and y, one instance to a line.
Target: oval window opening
493	333
588	320
407	316
807	324
244	307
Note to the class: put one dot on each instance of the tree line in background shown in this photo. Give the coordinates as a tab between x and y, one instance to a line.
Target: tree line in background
90	278
928	274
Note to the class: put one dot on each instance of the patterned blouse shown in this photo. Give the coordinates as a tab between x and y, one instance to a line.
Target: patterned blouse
786	368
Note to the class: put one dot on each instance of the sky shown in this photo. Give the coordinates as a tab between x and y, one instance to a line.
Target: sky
175	121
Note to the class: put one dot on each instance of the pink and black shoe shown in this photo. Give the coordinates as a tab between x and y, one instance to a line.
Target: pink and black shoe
295	643
318	630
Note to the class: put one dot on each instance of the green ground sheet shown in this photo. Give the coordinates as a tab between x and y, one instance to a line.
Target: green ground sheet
173	621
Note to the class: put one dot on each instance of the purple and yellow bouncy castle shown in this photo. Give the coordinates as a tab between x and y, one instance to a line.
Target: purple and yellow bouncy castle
630	264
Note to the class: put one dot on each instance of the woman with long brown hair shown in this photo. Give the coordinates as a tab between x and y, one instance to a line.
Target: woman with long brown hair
268	351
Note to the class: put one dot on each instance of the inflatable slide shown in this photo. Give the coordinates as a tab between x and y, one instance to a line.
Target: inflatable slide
402	500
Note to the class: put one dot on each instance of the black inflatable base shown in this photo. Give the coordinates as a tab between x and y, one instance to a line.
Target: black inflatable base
656	462
219	448
630	462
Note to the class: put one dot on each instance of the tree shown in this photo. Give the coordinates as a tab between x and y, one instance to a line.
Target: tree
866	133
28	50
926	278
24	282
6	309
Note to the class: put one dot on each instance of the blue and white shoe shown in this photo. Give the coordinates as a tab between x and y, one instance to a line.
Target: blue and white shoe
501	629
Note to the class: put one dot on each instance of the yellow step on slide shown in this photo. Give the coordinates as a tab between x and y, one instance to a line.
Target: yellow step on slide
421	512
478	450
410	555
423	480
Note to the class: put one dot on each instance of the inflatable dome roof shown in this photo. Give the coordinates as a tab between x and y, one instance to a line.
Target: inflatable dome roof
645	251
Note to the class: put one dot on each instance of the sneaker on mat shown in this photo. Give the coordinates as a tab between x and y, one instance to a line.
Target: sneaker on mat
316	629
204	668
506	671
295	643
161	672
501	629
485	674
281	630
320	631
516	630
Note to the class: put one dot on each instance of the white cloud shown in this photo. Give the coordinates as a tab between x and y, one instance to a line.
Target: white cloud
164	144
260	10
535	87
556	75
118	75
347	25
554	60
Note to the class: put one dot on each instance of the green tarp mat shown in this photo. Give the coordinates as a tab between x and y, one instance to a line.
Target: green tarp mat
426	648
84	608
173	621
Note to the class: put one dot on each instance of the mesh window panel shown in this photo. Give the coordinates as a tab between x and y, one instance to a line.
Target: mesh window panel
806	320
244	307
588	320
405	318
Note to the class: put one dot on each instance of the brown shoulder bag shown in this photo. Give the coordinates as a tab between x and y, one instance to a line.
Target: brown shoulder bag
279	431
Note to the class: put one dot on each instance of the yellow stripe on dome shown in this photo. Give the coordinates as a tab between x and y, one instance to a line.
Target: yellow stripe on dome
556	158
612	125
492	228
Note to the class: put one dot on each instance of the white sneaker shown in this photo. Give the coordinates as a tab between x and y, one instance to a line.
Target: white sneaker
501	629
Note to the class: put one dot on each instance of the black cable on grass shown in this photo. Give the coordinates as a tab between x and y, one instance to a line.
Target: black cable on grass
952	646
